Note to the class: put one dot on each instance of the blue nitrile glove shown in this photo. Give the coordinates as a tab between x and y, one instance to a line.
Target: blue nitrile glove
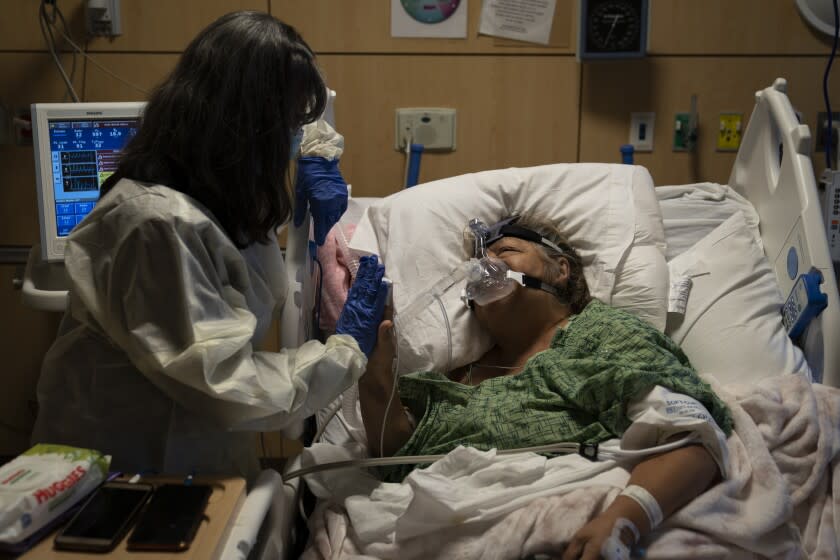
320	185
365	304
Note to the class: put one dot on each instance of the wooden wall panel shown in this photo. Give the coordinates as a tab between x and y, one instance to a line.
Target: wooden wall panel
341	26
27	78
25	335
164	25
148	25
512	111
19	29
742	27
143	70
611	91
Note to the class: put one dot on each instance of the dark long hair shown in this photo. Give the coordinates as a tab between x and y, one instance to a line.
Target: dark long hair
219	127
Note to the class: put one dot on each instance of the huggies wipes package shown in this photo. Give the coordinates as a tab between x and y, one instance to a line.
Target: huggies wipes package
43	483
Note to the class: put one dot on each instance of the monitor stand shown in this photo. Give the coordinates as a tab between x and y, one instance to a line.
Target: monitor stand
45	284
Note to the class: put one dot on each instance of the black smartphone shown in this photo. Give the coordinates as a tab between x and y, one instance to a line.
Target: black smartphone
172	517
104	518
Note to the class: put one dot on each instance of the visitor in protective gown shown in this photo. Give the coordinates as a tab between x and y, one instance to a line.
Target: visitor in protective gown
176	274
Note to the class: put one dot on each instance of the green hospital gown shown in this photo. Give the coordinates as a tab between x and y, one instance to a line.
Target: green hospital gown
576	391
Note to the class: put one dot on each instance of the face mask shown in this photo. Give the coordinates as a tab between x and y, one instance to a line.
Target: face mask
487	280
294	149
490	279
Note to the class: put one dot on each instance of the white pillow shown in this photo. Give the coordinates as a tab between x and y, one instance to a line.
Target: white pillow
418	233
732	326
691	212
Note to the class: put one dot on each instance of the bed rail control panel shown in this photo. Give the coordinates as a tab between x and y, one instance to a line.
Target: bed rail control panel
805	302
831	209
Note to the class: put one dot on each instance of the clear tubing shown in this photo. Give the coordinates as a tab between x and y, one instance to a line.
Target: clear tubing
563	447
414	459
395	368
423	300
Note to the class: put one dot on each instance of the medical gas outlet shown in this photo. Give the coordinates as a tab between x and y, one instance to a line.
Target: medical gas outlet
433	128
729	132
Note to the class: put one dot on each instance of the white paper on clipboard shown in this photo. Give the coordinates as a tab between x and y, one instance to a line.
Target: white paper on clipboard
523	20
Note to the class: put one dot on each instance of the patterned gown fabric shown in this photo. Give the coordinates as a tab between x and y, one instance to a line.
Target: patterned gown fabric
575	391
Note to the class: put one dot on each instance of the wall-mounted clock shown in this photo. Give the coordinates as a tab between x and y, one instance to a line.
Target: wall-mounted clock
612	29
430	11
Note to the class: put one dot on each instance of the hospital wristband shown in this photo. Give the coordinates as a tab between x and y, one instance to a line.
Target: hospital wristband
647	502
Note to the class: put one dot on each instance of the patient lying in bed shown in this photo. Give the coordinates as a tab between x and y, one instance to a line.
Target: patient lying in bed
565	368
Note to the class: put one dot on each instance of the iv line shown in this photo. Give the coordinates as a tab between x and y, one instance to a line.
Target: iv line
589	450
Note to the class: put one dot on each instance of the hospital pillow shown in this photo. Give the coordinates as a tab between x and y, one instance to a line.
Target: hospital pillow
691	212
732	325
608	212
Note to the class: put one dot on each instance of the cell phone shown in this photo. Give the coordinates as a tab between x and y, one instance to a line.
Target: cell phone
172	517
105	517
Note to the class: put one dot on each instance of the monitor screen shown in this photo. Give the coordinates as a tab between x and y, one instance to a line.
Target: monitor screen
83	153
77	147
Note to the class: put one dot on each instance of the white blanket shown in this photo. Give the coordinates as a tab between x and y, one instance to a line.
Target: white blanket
777	501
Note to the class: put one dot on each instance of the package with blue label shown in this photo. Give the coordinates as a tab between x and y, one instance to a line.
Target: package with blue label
43	483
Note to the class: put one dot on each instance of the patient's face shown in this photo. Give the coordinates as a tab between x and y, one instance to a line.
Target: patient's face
520	255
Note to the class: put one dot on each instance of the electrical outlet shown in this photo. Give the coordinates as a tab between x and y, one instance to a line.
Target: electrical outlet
104	18
641	131
822	128
729	132
434	128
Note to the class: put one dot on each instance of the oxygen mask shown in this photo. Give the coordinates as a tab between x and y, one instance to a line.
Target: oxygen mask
489	279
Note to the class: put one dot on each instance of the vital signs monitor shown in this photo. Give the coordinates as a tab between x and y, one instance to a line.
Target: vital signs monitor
76	149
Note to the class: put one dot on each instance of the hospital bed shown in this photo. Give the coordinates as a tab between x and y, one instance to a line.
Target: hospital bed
773	170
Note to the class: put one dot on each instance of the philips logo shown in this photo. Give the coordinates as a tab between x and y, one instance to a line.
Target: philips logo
93	112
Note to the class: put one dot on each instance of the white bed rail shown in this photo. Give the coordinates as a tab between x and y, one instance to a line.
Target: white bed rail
296	327
296	318
773	170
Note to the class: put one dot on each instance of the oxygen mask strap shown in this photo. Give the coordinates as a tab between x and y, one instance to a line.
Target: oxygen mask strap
532	282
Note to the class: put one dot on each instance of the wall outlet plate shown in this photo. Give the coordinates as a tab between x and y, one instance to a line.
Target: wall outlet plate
729	132
641	131
432	127
104	18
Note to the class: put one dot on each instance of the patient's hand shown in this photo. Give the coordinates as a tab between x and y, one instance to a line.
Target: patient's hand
381	360
588	542
376	389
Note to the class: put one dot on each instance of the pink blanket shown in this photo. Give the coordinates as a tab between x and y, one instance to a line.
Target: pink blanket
777	503
338	267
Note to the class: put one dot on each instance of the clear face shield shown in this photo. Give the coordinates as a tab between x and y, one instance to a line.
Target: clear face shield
489	278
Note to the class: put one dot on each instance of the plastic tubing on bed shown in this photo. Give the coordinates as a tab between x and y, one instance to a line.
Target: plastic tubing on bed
604	453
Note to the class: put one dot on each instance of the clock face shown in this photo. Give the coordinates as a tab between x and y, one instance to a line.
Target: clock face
430	11
614	26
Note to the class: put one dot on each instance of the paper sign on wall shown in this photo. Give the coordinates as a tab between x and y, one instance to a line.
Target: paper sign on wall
429	18
523	20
